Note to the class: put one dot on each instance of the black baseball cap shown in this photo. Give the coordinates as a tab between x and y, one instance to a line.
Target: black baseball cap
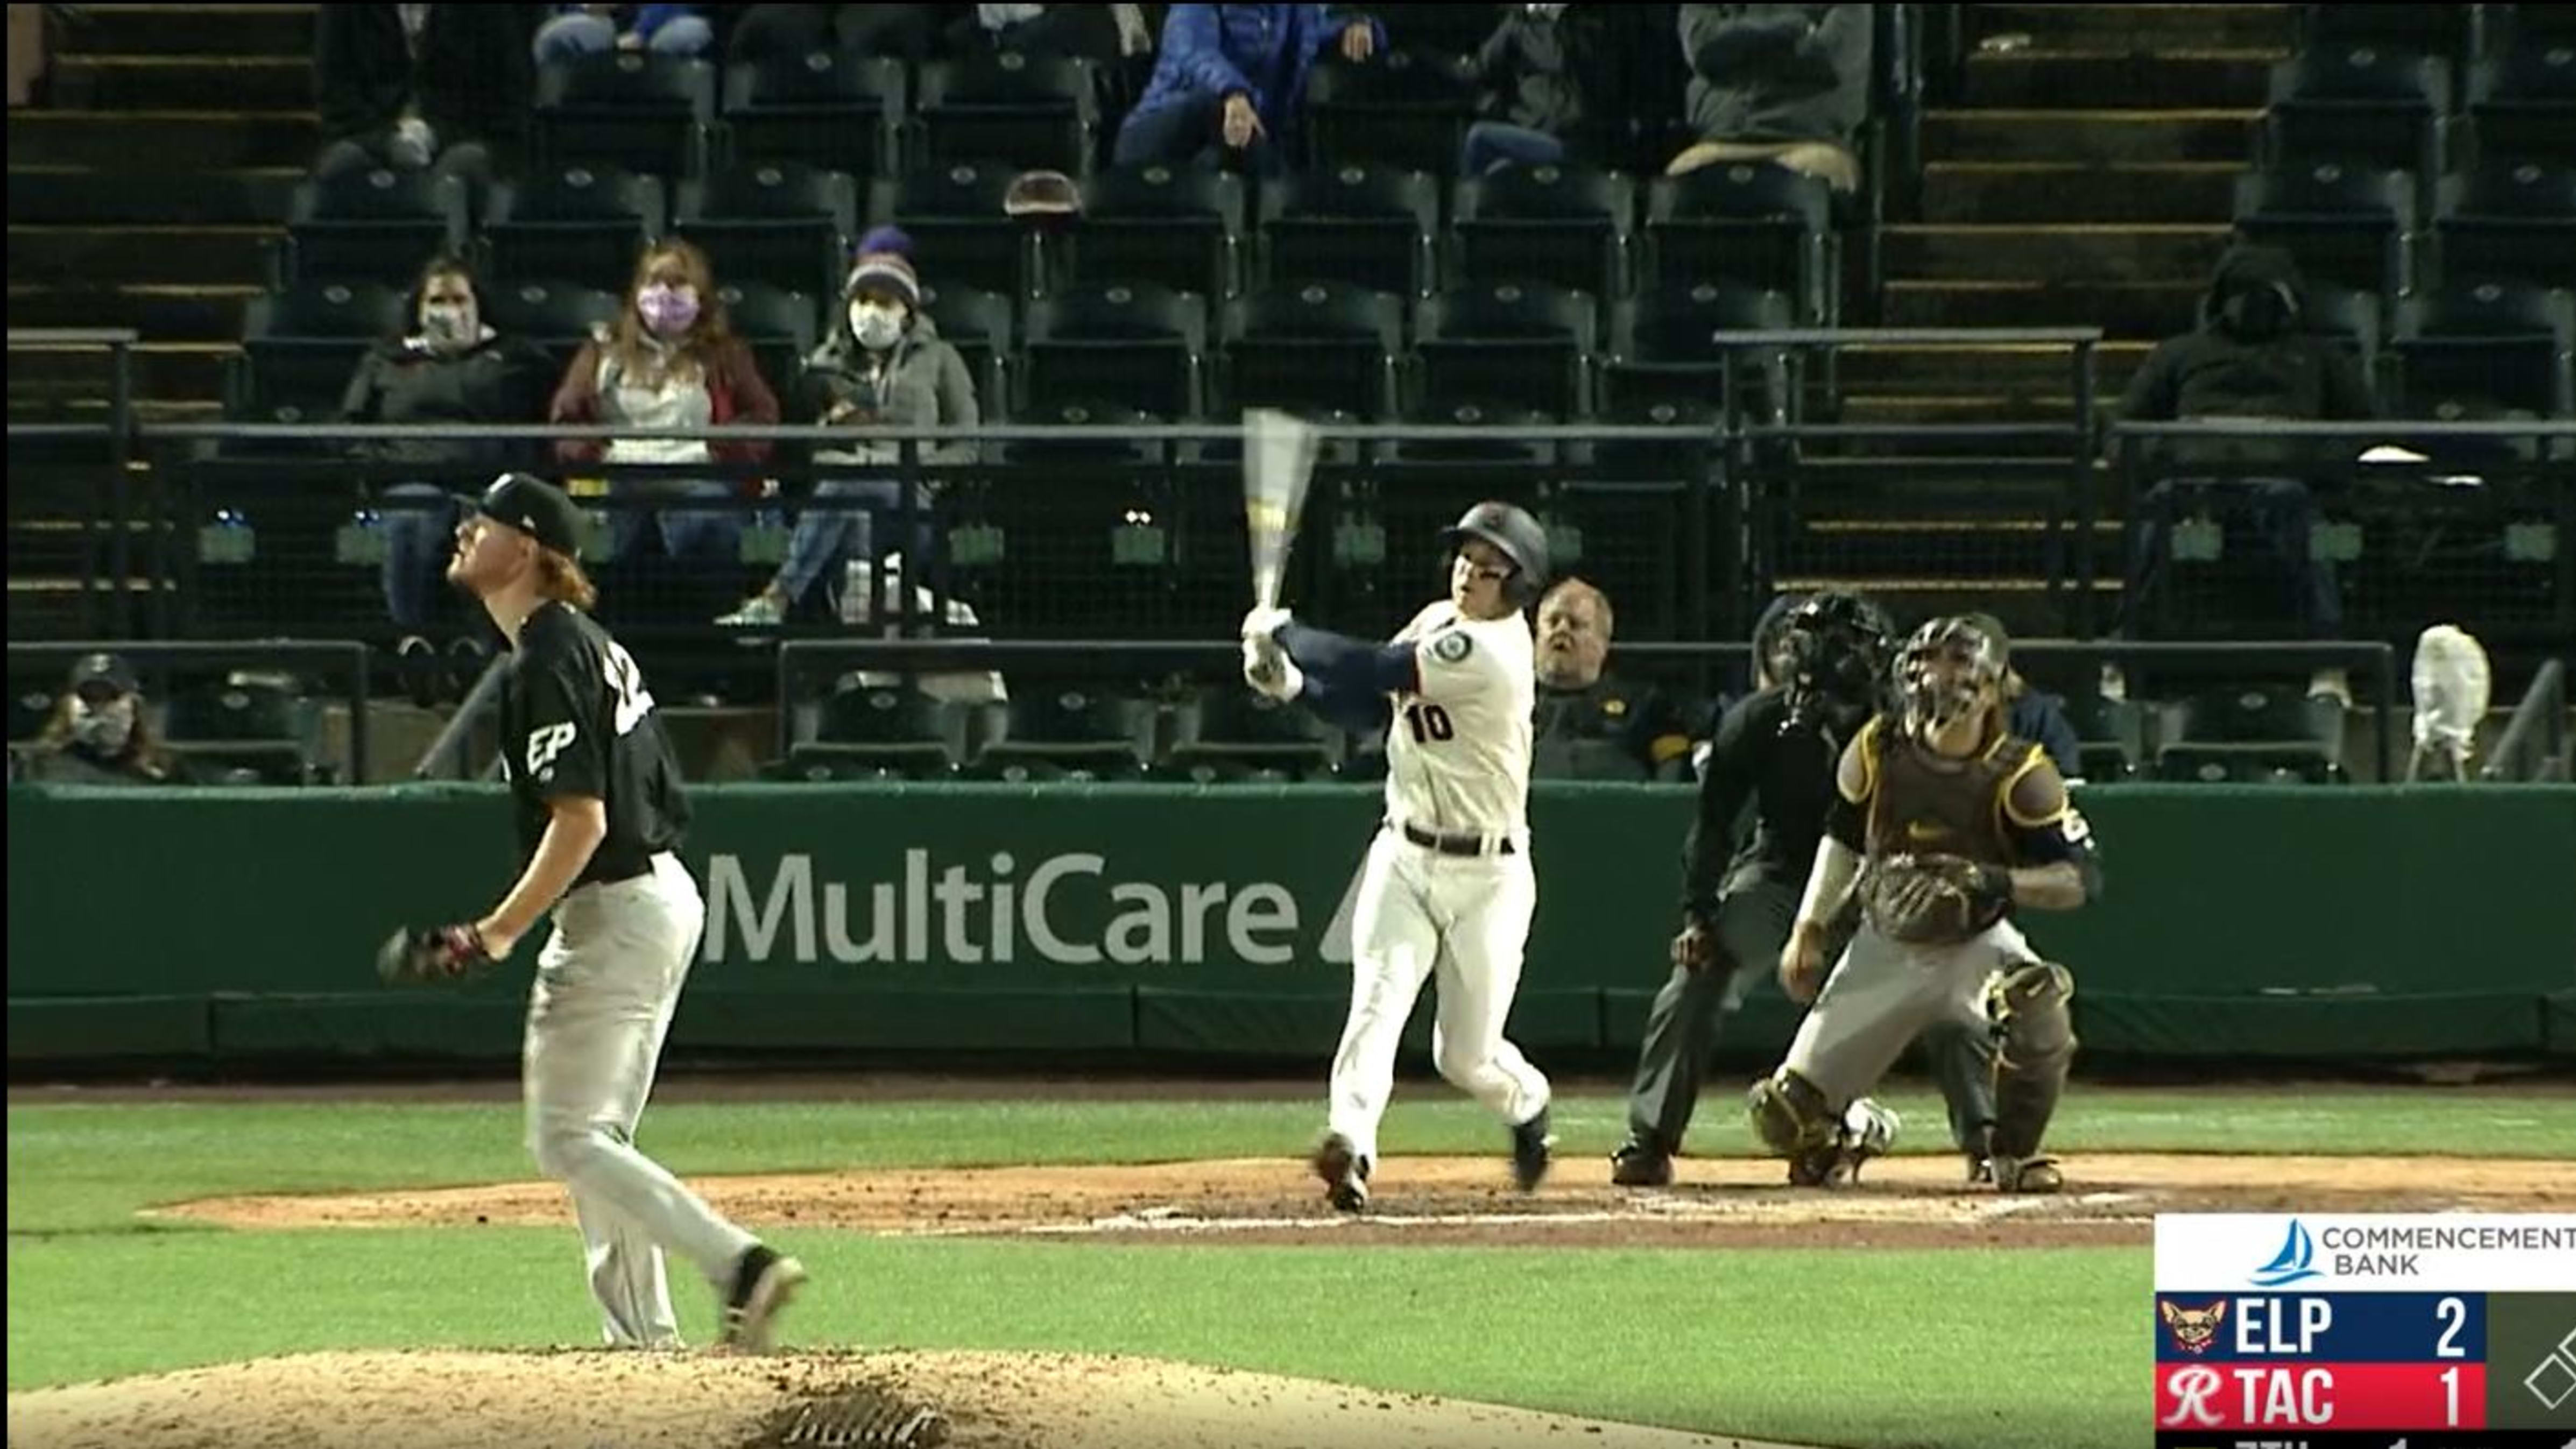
536	508
108	669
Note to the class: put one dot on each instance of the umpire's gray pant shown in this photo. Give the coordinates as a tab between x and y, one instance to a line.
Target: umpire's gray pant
1883	994
606	984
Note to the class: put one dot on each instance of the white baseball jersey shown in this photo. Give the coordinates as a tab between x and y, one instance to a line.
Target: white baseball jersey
1458	753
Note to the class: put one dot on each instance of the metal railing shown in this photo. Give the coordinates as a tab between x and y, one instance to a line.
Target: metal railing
110	527
344	659
2534	745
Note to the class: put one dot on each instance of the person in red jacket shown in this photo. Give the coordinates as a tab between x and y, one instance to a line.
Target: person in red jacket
671	360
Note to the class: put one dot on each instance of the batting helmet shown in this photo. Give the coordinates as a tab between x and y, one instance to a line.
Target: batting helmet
1520	539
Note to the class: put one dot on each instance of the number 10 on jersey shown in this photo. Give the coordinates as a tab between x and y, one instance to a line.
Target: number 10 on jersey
1429	722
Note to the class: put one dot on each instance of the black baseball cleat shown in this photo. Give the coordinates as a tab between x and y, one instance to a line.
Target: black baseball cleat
1639	1163
763	1281
1530	1152
1345	1174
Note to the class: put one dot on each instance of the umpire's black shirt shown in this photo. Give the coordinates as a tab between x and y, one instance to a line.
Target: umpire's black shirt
1789	779
577	720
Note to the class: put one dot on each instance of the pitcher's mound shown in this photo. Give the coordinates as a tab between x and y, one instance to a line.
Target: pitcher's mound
593	1399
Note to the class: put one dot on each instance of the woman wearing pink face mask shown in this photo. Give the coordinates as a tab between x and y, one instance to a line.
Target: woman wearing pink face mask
671	361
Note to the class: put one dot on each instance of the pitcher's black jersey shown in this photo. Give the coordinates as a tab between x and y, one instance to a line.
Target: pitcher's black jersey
577	720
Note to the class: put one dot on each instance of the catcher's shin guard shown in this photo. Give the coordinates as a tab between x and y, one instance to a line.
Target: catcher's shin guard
2035	1044
1791	1117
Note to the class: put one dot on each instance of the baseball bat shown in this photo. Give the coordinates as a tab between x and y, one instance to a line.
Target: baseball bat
1278	459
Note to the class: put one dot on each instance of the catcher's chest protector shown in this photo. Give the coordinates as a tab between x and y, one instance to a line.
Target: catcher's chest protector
1919	807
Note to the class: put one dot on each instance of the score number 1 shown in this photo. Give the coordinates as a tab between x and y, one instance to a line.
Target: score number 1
2456	1313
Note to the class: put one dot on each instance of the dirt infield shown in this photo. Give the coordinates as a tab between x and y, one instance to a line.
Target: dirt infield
1905	1201
592	1399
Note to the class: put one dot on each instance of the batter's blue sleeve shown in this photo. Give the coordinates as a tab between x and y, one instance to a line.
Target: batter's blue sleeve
1348	681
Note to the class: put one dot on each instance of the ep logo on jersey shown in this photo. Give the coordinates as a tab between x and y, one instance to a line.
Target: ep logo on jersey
544	743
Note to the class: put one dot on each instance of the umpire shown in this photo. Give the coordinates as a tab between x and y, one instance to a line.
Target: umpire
1775	749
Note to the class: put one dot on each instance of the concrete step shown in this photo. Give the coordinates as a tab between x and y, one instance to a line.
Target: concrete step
127	255
2197	79
2144	311
2114	136
190	30
149	83
57	381
1994	192
187	313
65	196
164	140
1947	371
2102	27
1952	409
2084	252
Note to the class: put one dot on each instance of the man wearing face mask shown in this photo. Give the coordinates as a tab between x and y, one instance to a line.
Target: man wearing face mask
884	366
2253	356
1585	713
99	734
446	365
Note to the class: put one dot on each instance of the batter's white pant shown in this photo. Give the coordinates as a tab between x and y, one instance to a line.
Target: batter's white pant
606	985
1466	917
1882	994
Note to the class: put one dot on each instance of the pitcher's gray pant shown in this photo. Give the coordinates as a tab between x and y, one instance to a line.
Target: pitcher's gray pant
606	984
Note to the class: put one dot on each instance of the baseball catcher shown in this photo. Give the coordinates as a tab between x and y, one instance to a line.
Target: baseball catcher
1944	823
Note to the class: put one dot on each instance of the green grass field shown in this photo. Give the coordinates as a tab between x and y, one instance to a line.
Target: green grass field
1872	1348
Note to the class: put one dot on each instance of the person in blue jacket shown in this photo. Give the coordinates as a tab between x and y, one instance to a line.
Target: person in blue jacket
577	30
1234	76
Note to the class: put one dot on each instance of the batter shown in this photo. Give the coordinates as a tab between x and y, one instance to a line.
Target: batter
1447	888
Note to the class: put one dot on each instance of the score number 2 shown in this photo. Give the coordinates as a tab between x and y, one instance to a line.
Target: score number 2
2455	1313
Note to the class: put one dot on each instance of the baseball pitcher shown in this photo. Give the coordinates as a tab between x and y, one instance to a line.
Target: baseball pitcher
1447	886
1946	823
600	815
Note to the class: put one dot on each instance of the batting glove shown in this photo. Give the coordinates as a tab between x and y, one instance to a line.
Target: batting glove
1266	622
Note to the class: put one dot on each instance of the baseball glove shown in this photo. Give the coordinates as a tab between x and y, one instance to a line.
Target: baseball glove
423	955
1934	899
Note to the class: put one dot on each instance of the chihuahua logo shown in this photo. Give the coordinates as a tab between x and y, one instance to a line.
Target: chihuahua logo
2194	1329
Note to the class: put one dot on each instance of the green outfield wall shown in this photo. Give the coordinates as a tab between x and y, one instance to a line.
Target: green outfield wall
1160	921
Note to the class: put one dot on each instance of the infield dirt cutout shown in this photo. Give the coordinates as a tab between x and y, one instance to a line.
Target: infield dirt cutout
592	1399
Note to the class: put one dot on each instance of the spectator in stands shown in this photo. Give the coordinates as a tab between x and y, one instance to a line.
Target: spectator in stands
446	365
1591	724
1550	78
1101	34
572	31
884	364
671	361
444	87
2251	357
769	32
1781	83
99	733
2034	713
1235	76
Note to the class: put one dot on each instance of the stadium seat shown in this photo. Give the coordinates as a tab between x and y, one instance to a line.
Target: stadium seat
2110	735
1231	725
1753	222
2523	103
629	109
1406	110
888	729
31	708
1449	29
373	226
2484	347
1083	412
779	223
2344	225
1353	225
1177	228
980	326
1658	460
1521	347
1550	226
827	111
1009	111
954	215
2351	316
2513	222
779	326
1089	733
2252	735
580	224
2434	30
2359	105
244	732
556	317
1486	416
1662	347
299	346
1316	348
1137	346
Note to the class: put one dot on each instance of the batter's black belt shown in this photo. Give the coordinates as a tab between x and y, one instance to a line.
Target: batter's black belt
1458	844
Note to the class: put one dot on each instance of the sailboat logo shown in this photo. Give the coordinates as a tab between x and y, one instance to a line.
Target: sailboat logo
2292	1263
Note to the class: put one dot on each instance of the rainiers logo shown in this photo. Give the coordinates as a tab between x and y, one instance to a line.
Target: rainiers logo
2194	1329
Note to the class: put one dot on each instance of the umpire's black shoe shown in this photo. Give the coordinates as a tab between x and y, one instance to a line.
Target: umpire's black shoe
1639	1163
763	1281
1345	1174
1531	1144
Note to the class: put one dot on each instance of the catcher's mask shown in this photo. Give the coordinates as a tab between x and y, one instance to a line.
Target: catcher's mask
1948	671
1832	659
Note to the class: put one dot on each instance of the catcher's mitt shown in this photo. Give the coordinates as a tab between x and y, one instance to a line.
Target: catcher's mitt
419	955
1934	899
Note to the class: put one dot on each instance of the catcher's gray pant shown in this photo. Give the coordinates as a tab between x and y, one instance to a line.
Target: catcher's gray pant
606	985
1882	995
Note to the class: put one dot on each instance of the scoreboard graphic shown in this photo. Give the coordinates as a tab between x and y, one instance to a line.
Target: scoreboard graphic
2365	1331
